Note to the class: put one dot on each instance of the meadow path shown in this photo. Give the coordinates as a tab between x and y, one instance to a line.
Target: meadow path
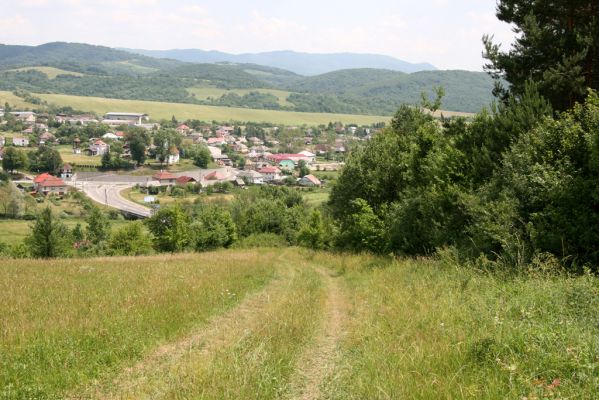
318	361
169	365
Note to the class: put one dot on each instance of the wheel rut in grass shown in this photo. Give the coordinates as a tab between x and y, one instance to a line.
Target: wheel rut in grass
221	331
318	361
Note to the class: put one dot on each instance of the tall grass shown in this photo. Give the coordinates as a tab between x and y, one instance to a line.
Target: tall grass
427	329
65	323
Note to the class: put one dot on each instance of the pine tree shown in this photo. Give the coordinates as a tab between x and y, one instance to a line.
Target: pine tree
557	48
49	237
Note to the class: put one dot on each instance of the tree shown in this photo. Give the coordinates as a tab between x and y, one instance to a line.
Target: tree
557	48
49	237
138	140
13	160
170	227
313	234
130	240
202	157
106	161
213	228
45	159
303	168
98	226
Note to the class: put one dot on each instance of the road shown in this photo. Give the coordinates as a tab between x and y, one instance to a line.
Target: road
110	194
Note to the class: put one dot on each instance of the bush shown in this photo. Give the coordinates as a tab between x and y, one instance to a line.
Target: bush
261	240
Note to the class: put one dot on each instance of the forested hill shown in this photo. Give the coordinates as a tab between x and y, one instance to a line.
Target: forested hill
81	69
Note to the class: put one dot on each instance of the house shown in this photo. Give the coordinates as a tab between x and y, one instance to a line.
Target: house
309	155
48	184
215	176
165	178
172	157
27	117
253	177
46	138
76	145
20	141
110	136
99	148
183	129
184	180
216	141
270	174
120	118
66	172
286	164
295	158
309	180
120	135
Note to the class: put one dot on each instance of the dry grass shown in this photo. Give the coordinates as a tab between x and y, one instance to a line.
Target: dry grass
50	72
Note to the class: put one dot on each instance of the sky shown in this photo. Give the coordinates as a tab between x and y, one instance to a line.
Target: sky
446	33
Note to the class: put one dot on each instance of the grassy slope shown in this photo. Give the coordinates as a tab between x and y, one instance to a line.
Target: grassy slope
84	319
422	329
203	93
13	100
51	72
159	110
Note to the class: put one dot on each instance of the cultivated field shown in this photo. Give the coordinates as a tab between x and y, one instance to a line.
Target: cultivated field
293	324
161	110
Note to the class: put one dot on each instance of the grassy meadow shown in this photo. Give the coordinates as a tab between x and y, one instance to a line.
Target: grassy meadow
267	324
50	72
161	110
205	93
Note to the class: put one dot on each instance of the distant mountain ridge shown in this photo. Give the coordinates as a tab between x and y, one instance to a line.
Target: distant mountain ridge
301	63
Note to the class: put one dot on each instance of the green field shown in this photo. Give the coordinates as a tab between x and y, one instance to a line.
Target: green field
205	93
50	72
14	101
160	110
293	324
66	153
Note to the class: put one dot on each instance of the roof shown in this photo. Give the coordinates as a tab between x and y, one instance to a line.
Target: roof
99	143
41	177
67	167
163	175
50	181
214	176
184	179
127	114
312	179
173	150
269	170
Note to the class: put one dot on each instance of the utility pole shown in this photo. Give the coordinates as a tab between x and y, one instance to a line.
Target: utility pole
106	196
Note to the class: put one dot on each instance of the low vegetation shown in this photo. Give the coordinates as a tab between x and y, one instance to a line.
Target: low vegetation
261	324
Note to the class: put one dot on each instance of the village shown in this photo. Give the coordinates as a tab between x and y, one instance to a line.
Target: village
98	155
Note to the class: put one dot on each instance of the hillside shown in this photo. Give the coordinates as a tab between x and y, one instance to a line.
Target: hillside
289	323
300	63
85	70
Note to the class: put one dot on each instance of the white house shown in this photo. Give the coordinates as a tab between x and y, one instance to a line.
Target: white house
250	176
98	148
309	155
120	118
270	174
20	141
110	136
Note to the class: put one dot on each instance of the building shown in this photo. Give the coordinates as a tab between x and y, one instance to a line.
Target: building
47	138
20	141
295	158
215	176
165	178
184	180
76	145
66	172
253	177
173	156
309	180
48	184
120	118
270	174
27	117
98	148
110	136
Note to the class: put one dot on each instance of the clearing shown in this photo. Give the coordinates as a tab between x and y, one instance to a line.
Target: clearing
50	72
293	324
206	93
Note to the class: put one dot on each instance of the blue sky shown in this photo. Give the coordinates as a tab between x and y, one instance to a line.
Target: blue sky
443	32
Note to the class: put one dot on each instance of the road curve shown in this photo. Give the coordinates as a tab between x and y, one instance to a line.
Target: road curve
109	194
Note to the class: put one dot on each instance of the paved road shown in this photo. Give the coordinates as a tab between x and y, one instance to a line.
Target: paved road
110	195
